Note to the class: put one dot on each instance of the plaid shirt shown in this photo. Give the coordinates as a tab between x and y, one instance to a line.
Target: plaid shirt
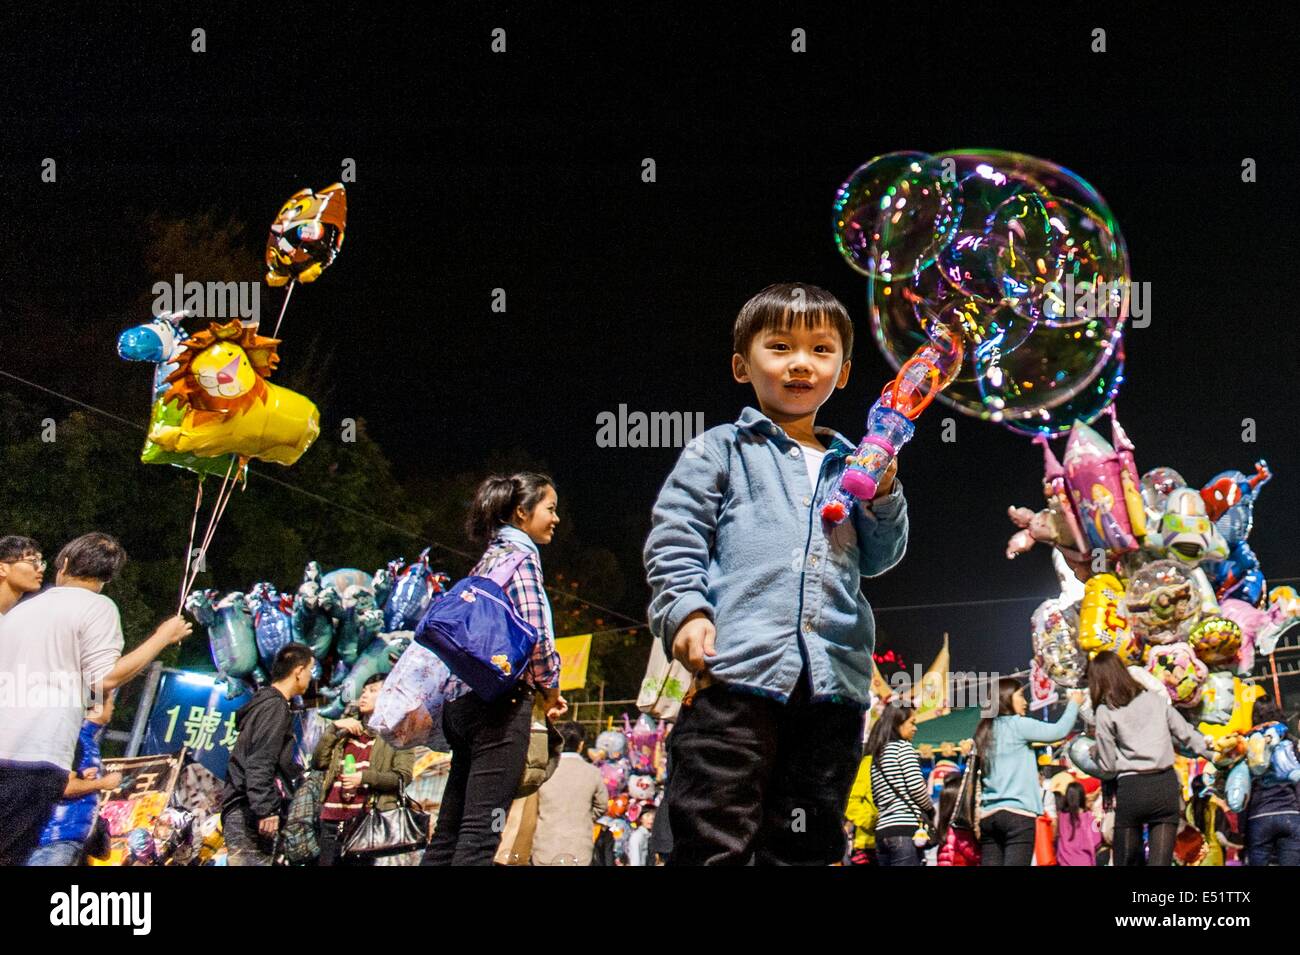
526	592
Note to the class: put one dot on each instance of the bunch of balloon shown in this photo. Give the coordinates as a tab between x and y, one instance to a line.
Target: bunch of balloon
213	407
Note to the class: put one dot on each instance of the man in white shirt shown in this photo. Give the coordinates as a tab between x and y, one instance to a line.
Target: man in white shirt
22	570
59	652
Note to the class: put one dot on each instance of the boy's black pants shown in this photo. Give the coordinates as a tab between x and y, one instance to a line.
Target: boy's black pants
754	780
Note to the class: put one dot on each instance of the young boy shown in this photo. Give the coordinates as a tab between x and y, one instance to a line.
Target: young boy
761	599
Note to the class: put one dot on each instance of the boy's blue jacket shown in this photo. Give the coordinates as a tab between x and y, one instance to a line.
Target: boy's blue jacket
737	532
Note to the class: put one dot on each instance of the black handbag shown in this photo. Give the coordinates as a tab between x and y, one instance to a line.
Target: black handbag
391	832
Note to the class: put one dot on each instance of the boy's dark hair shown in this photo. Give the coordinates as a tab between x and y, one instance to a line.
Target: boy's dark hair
786	304
290	657
374	678
574	735
13	547
92	556
497	497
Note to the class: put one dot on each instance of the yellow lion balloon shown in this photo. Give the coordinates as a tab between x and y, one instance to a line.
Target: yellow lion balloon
228	406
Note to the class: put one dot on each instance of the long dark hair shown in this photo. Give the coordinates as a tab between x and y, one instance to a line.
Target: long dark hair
1110	683
497	497
947	805
885	729
1008	687
1071	803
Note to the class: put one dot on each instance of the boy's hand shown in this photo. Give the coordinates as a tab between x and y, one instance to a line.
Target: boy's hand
886	484
694	641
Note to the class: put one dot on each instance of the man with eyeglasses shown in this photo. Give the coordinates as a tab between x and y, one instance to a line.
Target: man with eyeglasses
60	652
22	570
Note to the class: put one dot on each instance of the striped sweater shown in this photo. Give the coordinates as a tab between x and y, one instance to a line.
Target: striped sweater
899	790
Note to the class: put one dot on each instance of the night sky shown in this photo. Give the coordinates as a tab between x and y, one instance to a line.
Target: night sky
522	171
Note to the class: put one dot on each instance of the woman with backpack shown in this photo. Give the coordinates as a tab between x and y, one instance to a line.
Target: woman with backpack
1135	732
898	788
1012	800
511	516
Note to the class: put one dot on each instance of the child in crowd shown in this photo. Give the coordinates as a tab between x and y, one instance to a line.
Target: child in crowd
761	599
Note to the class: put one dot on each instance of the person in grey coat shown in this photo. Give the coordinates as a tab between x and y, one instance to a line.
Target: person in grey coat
1135	732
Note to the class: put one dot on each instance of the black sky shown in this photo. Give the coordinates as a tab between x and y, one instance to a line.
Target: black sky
522	171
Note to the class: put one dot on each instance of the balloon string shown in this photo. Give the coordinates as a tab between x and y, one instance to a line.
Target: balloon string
287	295
218	508
189	548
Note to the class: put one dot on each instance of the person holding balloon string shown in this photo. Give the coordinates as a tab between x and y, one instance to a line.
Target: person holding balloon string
1135	730
762	601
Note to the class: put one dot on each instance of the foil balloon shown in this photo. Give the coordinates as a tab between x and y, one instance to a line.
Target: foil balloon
414	589
1244	697
159	343
1185	533
1238	787
641	787
1230	502
1102	625
642	743
1162	603
613	743
1218	697
272	621
1216	641
379	658
1103	487
1022	254
614	773
231	638
1155	487
358	620
226	404
306	235
311	624
1259	746
141	848
1183	675
1080	754
1054	627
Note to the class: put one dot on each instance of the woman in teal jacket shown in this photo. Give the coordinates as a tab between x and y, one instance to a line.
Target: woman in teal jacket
1012	799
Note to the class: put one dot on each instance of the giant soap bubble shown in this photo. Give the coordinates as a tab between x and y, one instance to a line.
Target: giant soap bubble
1020	254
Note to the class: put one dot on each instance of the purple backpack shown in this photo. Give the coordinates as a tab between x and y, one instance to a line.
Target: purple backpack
476	631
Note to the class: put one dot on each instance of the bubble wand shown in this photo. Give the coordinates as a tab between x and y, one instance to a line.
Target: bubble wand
889	423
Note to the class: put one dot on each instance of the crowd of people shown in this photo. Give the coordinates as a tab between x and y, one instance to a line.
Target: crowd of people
1003	804
766	757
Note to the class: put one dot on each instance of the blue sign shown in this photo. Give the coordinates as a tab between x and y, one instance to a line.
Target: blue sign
191	710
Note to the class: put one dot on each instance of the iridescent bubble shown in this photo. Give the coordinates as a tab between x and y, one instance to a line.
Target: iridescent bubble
893	216
1087	406
1019	252
1058	261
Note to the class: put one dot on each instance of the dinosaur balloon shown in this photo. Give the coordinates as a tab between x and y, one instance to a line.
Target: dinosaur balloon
413	590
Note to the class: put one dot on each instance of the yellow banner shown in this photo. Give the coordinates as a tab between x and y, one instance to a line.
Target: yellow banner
574	653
